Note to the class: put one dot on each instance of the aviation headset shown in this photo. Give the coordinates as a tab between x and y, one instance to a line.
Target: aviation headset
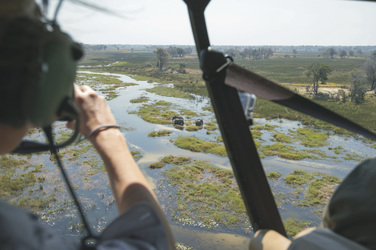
51	61
41	71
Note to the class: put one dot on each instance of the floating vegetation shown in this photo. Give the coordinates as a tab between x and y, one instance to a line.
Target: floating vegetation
298	178
157	165
160	133
188	113
136	154
337	150
206	196
157	113
211	126
197	145
169	92
192	128
140	100
176	160
320	190
312	138
283	138
353	157
273	175
77	151
293	226
284	151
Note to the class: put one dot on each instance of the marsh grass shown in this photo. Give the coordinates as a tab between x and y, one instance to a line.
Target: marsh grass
211	126
320	190
206	194
192	128
284	151
282	138
273	175
157	113
136	154
197	145
140	99
298	178
311	137
169	92
175	160
160	133
293	226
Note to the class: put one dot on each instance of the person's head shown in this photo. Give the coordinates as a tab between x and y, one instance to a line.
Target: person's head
37	67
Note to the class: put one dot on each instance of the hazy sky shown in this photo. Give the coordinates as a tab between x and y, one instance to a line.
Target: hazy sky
230	22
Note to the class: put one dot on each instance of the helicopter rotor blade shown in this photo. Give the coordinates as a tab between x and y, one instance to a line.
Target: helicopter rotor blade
248	81
98	8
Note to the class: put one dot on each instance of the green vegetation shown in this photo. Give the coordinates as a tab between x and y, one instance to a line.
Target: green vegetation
298	178
205	193
77	151
320	190
273	175
283	138
197	145
170	92
293	226
188	113
140	100
136	154
157	113
312	138
176	160
211	126
157	165
160	133
284	151
192	128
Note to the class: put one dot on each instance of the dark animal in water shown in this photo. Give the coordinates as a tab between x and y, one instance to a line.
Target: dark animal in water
178	120
199	122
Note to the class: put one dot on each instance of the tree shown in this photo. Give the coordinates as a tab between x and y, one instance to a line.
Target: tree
373	56
181	52
358	85
342	53
172	51
351	53
162	57
329	53
319	73
294	51
370	70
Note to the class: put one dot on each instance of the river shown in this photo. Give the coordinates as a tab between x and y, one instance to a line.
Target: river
95	194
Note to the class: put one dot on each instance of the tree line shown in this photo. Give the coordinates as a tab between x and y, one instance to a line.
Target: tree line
363	79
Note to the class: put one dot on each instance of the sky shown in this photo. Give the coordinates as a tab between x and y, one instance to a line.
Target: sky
229	22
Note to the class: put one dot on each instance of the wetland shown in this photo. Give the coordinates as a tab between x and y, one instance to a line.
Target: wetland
187	165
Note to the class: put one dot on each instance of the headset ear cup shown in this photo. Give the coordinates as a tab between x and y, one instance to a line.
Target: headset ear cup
55	86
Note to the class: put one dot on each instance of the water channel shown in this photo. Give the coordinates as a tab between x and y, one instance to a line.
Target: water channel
93	188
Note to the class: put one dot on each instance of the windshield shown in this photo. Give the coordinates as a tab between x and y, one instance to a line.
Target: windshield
145	63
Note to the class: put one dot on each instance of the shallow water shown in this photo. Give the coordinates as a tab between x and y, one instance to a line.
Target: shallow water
95	194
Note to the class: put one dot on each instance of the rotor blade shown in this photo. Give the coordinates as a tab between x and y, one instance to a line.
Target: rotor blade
98	8
248	81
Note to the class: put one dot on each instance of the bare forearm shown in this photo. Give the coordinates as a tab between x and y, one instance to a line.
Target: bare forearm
121	167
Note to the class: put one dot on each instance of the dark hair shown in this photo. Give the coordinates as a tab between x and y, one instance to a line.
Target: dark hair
21	42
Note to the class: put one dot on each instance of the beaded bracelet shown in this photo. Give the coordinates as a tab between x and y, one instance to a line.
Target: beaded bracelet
98	129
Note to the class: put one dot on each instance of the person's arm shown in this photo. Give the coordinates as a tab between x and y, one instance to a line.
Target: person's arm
129	185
